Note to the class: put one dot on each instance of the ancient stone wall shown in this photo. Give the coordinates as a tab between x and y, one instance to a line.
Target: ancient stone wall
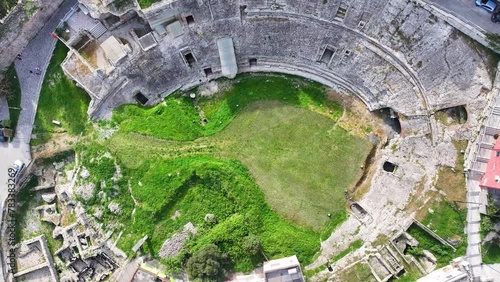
389	53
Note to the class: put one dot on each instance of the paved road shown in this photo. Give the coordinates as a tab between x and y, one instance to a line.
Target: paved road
467	11
36	54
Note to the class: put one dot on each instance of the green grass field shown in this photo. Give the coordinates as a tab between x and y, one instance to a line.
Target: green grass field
60	99
299	158
302	163
14	95
269	162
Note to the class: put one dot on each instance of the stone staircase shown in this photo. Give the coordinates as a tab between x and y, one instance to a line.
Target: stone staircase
98	30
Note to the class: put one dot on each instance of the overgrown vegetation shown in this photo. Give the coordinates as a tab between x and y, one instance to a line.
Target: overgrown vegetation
218	111
449	213
409	277
359	272
491	252
6	6
267	170
145	3
490	249
195	186
493	40
207	264
264	156
61	100
27	222
447	221
285	148
13	93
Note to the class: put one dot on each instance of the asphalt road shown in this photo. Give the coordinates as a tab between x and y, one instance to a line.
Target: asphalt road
467	11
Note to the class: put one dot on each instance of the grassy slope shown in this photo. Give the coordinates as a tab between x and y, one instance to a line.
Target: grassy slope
196	186
60	99
14	97
163	120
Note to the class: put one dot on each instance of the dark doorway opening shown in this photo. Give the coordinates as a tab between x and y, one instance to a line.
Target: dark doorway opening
452	115
112	19
252	62
82	42
189	58
391	118
390	167
141	98
190	20
208	71
327	55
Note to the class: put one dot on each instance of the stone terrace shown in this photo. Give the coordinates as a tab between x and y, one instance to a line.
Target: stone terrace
389	53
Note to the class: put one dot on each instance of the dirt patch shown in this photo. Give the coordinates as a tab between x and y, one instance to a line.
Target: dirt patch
58	143
358	119
364	183
89	53
361	122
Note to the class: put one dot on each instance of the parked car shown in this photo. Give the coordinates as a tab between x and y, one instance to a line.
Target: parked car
495	16
18	167
488	5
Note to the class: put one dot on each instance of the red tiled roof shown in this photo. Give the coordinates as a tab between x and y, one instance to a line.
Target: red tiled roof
491	178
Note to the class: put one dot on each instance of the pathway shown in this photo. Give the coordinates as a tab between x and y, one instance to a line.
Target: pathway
36	54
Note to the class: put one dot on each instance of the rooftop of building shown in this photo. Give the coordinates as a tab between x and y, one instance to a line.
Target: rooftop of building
491	178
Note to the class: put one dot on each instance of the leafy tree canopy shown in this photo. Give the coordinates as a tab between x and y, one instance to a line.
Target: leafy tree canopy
207	264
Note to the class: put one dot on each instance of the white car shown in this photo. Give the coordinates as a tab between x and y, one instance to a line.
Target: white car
18	167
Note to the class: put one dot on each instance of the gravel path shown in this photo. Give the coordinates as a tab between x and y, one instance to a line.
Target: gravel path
36	55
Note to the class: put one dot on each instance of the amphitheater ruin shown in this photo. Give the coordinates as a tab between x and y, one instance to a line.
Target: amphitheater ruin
400	56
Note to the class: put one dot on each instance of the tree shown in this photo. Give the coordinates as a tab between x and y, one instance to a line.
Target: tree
207	264
252	244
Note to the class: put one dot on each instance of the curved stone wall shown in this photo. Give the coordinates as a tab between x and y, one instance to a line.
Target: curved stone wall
388	53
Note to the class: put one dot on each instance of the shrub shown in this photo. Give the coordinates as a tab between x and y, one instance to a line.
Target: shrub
252	244
207	264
